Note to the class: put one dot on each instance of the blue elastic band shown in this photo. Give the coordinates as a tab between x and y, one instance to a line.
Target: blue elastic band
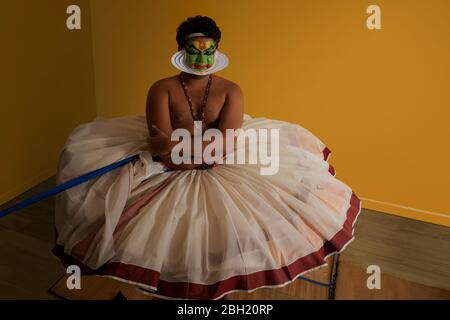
326	285
66	185
83	178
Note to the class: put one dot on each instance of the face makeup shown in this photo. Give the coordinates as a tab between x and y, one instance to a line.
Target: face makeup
200	53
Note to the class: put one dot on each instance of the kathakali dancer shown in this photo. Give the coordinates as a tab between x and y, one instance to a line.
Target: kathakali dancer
204	229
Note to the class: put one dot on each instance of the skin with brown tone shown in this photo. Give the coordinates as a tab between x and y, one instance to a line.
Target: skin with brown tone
168	109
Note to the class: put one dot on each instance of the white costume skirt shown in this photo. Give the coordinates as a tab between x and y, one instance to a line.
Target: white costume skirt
199	234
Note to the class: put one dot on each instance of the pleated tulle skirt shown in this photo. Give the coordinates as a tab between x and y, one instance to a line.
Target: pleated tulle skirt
199	234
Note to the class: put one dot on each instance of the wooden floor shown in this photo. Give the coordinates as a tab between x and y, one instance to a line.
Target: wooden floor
409	249
27	267
414	256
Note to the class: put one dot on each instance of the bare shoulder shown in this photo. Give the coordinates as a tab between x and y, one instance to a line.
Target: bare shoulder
165	84
160	89
160	85
230	87
158	94
234	101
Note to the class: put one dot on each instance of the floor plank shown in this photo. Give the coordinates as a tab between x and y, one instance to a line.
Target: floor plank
414	256
408	249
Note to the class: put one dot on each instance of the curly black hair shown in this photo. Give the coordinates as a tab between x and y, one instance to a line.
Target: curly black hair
198	23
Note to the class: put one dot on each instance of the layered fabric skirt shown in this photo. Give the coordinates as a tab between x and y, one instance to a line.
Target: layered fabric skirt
199	234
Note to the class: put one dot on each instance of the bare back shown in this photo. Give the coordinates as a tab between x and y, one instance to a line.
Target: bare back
178	107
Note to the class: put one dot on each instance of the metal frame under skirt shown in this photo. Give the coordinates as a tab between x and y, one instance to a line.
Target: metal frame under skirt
331	285
90	175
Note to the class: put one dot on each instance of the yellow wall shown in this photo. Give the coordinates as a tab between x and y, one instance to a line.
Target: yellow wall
47	88
379	99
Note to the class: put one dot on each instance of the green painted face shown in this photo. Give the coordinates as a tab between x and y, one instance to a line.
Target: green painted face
200	53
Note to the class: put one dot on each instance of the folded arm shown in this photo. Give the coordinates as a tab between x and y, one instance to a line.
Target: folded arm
231	117
157	111
160	126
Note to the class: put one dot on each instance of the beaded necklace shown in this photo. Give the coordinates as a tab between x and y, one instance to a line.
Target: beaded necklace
205	98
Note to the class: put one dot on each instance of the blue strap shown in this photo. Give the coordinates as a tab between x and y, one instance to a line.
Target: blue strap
83	178
66	185
318	283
